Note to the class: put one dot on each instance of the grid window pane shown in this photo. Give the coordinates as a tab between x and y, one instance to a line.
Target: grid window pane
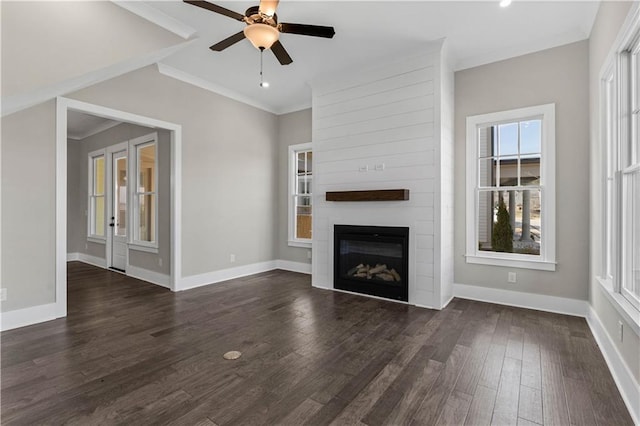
631	285
485	142
508	139
509	221
303	216
487	171
146	224
309	162
530	137
146	168
97	209
98	175
508	171
530	170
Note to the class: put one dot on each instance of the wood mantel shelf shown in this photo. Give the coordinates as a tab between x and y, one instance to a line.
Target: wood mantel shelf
372	195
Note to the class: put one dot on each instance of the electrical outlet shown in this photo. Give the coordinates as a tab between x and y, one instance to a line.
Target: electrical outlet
364	168
3	294
159	261
511	277
86	246
232	258
308	254
380	167
620	330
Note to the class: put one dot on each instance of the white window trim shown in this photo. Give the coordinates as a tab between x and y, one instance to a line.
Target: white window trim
100	239
611	286
546	261
292	240
134	218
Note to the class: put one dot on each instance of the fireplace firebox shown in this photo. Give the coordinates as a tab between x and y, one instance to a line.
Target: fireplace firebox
372	260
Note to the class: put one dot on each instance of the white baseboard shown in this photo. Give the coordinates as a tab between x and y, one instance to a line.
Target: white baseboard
28	316
626	382
540	302
207	278
152	277
73	257
132	271
287	265
87	258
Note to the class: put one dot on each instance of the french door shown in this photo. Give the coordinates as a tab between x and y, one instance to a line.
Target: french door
117	158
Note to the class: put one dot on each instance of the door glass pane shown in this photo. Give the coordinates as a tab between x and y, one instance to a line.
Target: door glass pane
98	212
98	175
120	199
147	217
146	168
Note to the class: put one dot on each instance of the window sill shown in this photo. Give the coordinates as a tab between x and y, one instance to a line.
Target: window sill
139	247
624	308
97	240
512	263
304	244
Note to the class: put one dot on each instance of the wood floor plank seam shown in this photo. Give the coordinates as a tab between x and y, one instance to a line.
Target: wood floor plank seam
132	353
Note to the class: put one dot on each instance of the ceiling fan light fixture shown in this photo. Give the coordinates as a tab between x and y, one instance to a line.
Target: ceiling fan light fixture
268	7
261	35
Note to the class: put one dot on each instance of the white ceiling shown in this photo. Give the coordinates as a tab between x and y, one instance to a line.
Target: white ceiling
477	32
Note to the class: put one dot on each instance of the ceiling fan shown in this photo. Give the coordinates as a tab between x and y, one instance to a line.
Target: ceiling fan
263	28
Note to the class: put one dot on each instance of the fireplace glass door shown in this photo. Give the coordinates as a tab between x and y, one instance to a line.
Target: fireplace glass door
372	260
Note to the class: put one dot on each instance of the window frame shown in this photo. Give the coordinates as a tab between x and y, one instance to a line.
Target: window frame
293	241
101	239
134	242
546	260
621	160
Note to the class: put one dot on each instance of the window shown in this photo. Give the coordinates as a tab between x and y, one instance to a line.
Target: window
96	202
145	197
511	188
300	194
620	125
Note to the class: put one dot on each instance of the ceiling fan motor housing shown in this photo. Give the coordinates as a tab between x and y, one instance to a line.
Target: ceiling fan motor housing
254	16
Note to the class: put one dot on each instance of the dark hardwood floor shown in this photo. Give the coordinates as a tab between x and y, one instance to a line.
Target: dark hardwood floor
134	353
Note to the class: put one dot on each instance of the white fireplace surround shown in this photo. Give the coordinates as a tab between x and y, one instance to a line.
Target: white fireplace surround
386	127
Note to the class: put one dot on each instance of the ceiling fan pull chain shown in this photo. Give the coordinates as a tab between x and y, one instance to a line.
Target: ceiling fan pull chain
263	84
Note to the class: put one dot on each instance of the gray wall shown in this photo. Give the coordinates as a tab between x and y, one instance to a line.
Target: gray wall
557	75
28	207
77	175
229	157
609	20
293	129
229	180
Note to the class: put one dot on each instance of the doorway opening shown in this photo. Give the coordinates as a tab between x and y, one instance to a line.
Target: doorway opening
129	196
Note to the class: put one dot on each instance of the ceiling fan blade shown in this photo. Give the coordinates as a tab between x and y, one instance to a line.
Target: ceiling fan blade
308	30
268	7
220	46
217	9
281	54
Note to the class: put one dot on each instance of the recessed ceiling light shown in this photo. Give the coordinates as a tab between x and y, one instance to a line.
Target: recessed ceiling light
505	3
